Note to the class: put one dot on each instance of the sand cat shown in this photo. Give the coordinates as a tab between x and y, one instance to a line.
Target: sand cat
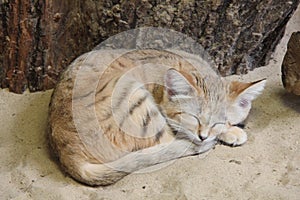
115	112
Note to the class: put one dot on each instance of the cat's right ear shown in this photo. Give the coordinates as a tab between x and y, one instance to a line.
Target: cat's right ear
245	93
177	84
241	96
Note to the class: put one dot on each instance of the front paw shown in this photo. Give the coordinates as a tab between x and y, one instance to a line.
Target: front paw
235	136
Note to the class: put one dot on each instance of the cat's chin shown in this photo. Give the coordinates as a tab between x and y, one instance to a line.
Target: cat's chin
210	138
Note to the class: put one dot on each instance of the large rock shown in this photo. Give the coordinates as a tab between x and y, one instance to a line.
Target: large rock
291	65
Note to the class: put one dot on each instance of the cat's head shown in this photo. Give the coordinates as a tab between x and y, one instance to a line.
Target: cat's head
208	108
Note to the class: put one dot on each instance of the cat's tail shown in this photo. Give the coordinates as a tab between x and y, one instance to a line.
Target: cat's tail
109	173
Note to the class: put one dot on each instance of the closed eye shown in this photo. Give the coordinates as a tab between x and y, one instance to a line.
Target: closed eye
195	117
218	123
191	114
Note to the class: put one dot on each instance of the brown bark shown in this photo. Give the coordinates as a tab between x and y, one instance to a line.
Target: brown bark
291	65
40	38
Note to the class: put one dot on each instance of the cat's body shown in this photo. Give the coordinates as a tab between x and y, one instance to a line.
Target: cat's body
111	115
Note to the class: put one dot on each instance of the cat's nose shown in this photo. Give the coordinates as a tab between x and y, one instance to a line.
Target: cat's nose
202	137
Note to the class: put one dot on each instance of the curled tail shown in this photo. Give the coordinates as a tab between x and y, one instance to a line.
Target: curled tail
109	173
100	174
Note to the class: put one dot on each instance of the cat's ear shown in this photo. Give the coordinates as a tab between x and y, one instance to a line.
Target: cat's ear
244	93
241	96
178	84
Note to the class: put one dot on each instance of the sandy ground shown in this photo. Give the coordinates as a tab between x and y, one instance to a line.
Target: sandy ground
266	167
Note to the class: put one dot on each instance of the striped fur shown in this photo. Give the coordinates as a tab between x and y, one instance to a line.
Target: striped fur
117	111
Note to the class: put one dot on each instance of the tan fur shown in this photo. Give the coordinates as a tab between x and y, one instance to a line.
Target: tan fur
108	117
236	88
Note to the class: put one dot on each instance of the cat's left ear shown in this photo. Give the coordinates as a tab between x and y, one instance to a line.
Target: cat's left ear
245	93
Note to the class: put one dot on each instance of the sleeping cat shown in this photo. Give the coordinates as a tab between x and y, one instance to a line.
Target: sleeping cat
117	111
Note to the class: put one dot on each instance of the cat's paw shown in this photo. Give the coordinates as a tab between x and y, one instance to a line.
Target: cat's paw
235	136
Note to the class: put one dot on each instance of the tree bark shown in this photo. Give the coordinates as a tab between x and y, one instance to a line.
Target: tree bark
40	38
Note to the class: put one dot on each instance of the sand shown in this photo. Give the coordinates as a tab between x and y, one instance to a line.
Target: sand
266	167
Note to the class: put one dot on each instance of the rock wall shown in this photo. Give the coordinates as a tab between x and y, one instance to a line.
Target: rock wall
40	38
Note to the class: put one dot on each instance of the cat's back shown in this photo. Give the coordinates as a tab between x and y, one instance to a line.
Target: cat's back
81	102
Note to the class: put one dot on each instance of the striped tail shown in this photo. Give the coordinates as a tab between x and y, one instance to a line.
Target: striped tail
109	173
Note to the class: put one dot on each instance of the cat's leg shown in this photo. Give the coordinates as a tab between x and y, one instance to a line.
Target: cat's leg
234	136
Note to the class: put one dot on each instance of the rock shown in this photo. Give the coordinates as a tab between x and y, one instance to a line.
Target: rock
291	65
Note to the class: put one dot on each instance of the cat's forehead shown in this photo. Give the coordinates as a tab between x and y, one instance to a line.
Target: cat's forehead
210	85
213	111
